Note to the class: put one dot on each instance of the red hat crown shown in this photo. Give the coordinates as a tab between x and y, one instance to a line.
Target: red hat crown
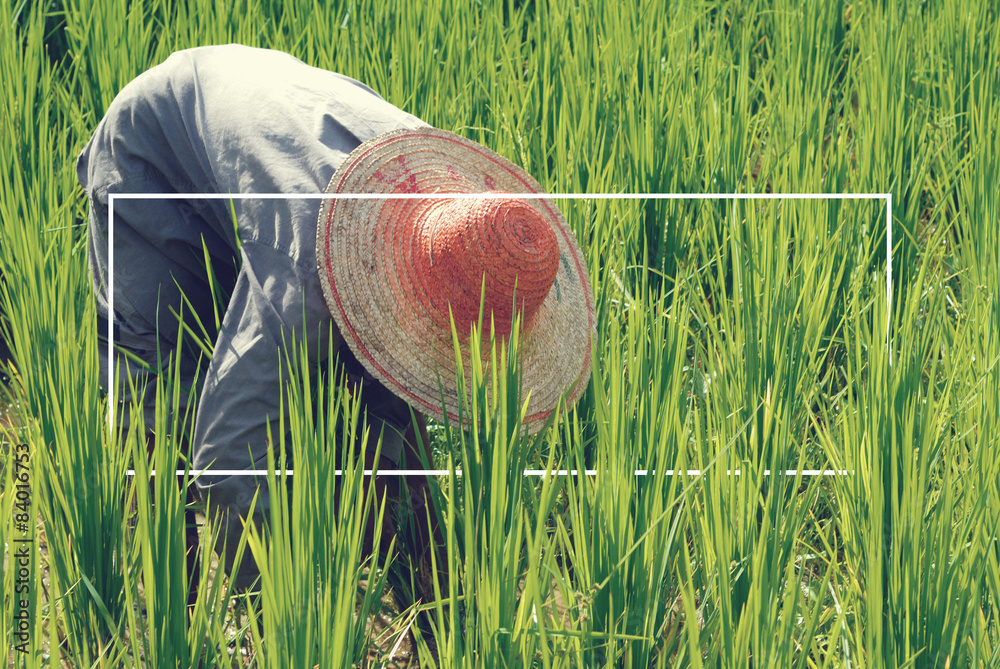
462	241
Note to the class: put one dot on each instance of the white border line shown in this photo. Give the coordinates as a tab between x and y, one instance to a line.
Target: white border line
499	196
527	472
483	196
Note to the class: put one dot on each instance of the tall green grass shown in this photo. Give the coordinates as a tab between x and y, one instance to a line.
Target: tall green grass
730	335
311	557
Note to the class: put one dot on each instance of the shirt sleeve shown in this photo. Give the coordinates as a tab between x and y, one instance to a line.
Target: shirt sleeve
273	306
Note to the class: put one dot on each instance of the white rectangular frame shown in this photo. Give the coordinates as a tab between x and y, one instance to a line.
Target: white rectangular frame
486	196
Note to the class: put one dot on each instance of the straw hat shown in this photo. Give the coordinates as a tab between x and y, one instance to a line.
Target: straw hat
395	270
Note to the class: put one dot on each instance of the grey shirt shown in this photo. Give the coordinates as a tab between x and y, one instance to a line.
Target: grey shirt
227	119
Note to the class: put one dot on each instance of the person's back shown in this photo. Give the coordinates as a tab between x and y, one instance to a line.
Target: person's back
221	120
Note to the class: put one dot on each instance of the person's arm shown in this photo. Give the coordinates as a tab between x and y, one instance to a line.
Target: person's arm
241	394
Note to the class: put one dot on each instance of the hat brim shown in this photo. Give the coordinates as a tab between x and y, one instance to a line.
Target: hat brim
365	253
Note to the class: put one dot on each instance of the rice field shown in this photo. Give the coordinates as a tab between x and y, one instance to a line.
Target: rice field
756	336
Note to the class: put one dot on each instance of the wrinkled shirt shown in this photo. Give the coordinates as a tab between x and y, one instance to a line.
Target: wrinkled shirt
227	119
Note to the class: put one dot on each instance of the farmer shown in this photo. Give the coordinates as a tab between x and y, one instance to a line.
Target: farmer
376	275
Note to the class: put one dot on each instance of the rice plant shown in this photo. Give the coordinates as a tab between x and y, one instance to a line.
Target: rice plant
751	336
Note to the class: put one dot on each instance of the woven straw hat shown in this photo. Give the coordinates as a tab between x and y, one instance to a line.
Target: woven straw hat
391	268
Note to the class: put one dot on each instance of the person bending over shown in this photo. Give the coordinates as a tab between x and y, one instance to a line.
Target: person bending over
382	276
